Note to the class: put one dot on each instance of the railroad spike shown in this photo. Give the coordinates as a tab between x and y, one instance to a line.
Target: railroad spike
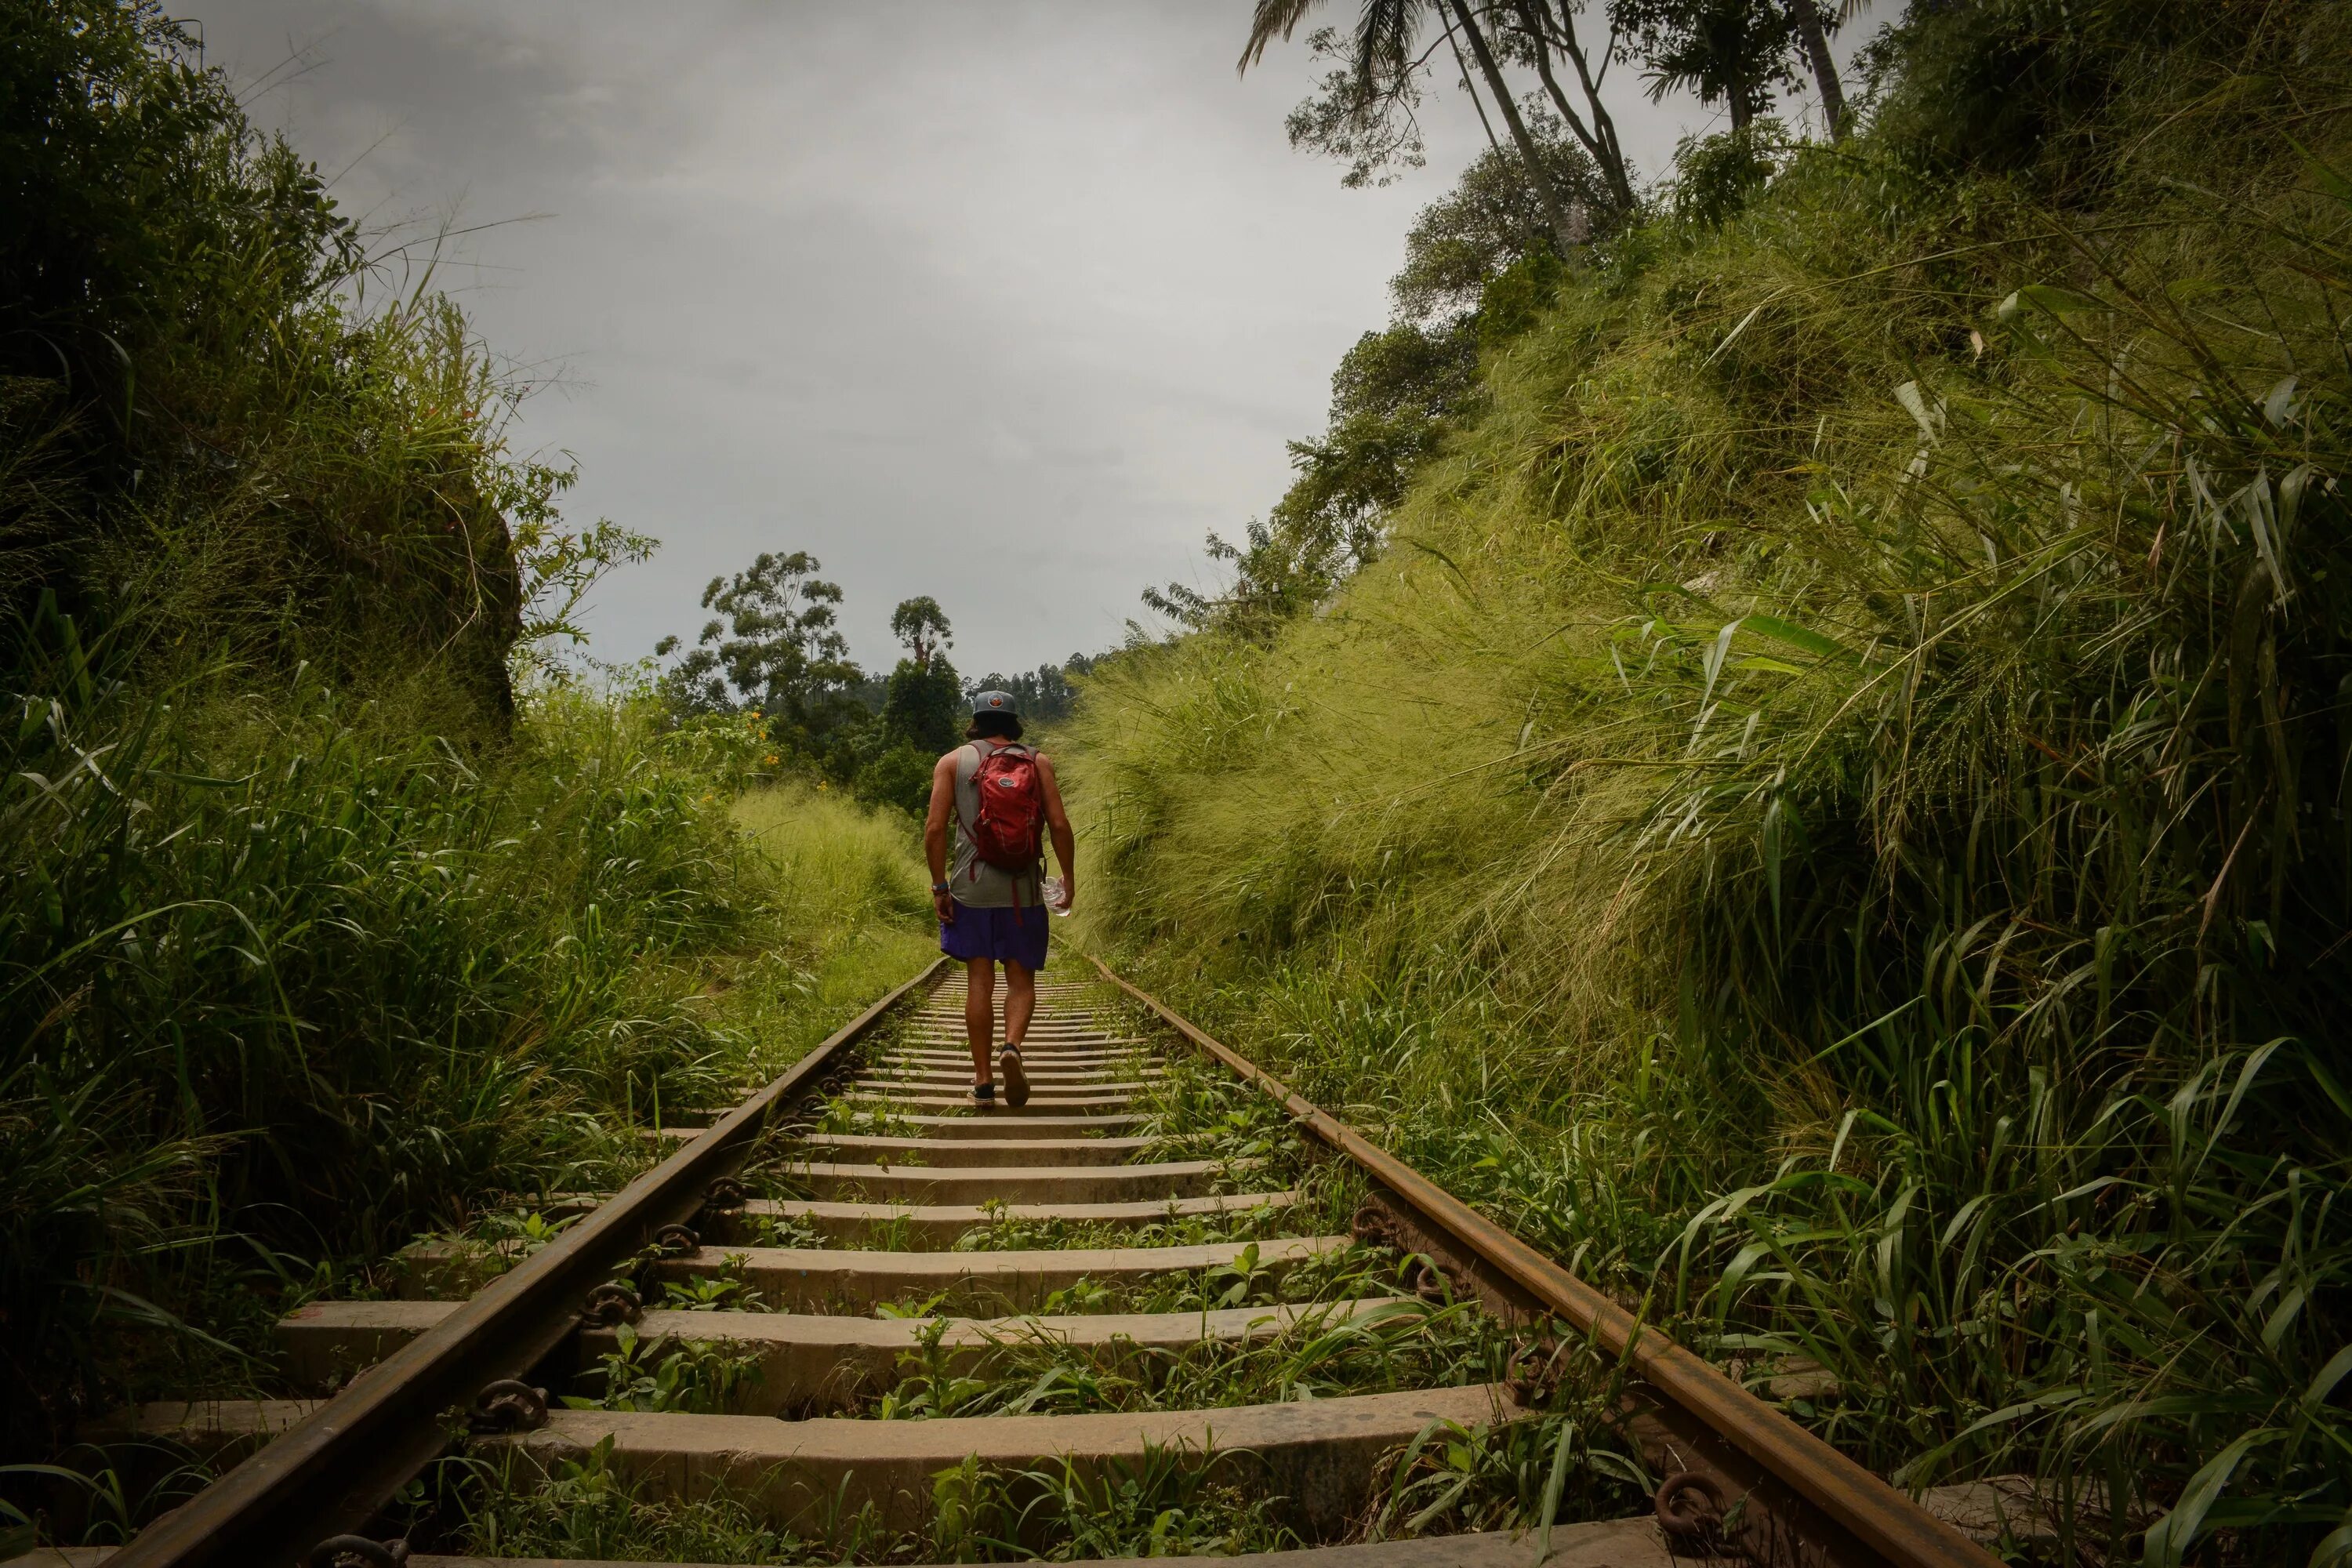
677	1240
1690	1509
1532	1374
1430	1282
611	1304
509	1405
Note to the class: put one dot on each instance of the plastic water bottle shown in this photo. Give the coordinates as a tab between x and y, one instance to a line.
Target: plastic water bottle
1056	897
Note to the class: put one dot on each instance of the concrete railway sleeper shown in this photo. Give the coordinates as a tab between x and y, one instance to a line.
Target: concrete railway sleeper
865	1319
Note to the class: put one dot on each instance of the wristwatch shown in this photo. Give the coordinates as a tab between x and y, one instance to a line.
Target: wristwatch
943	886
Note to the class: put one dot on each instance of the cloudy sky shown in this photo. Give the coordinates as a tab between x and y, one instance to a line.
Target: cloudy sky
1004	302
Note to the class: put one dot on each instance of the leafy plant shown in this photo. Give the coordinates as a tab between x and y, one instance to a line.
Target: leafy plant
697	1377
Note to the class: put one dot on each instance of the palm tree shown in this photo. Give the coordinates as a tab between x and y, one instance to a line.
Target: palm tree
1542	31
1813	35
1382	59
1725	52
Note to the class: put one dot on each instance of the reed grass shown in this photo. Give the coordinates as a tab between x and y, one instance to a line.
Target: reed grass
1829	815
287	987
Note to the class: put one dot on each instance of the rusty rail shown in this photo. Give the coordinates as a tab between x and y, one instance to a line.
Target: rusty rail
1817	1506
332	1473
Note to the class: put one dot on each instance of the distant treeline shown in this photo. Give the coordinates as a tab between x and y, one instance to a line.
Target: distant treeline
774	652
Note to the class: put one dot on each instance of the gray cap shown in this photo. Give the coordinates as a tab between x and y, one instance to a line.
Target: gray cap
994	702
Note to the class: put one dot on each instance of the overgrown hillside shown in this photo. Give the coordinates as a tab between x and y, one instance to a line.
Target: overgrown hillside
328	909
1829	807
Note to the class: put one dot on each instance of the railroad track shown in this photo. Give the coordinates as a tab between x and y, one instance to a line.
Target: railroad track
845	1188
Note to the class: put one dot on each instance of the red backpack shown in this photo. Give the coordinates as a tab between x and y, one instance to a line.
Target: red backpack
1010	834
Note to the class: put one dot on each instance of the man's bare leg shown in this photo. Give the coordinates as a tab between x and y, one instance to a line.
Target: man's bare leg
1020	1002
979	1015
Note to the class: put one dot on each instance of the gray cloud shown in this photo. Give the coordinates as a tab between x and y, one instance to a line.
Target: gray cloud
1005	303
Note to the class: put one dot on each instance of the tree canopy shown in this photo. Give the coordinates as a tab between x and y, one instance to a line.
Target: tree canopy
774	644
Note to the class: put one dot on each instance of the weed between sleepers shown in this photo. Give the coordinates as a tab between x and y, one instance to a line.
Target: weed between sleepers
1170	1503
1545	1467
1402	1344
1556	1466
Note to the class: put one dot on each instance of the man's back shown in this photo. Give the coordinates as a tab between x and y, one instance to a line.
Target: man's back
977	884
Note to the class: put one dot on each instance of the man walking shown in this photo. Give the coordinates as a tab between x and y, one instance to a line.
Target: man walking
991	899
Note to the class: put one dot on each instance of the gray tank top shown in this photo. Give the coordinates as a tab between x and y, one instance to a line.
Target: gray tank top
977	884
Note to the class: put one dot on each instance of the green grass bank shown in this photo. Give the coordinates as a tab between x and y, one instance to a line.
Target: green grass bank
330	911
286	985
1829	811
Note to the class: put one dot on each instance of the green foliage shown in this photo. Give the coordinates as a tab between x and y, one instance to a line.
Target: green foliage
587	1509
1390	400
900	778
1042	695
313	937
136	189
1362	113
277	975
1523	1475
691	1376
1716	176
922	717
1170	1503
922	625
774	646
1513	301
1837	821
1479	270
2024	86
1735	53
1326	1353
923	706
206	430
1489	222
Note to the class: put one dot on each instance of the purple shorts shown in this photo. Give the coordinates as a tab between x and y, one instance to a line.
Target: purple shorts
1016	936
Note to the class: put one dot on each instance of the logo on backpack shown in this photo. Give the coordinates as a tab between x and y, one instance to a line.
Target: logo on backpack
1010	834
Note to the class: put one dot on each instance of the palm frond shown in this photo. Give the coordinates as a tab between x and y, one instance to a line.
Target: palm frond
1273	19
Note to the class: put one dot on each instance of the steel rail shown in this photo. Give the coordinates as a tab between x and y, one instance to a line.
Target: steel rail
333	1472
1887	1526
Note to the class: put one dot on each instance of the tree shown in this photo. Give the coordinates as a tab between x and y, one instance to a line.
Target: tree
774	643
1043	694
922	625
922	706
1731	52
1566	230
922	716
1813	36
1545	25
1366	110
1476	232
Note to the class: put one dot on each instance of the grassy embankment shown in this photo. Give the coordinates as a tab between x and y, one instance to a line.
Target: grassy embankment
347	986
1829	815
327	915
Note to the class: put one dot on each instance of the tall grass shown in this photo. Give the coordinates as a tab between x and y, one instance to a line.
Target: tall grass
327	914
1829	815
284	984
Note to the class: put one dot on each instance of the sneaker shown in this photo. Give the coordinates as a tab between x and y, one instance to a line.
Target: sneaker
1016	1082
984	1094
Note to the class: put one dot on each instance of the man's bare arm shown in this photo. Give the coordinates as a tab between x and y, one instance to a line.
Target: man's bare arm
1057	824
935	834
